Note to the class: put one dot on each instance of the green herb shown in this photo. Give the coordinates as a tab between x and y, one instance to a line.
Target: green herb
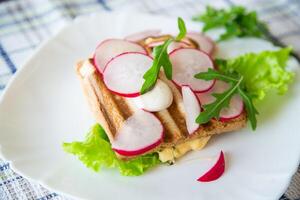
182	29
251	110
213	109
237	22
95	152
161	59
213	74
251	76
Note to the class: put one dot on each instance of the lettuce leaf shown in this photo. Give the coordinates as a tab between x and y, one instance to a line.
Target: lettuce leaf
262	72
95	152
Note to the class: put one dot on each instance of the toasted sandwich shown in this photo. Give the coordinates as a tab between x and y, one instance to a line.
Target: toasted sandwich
111	111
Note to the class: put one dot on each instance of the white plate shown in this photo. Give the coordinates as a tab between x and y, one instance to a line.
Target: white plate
44	106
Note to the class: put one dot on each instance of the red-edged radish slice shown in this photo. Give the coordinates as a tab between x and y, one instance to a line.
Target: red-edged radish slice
140	133
177	45
204	42
135	37
216	171
192	108
123	75
207	98
188	62
235	109
236	104
110	48
157	99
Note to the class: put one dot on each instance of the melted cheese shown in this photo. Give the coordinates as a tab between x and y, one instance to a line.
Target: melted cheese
169	154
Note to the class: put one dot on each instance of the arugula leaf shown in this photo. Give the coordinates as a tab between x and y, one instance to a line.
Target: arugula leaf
251	110
222	100
259	72
182	29
237	22
161	59
95	152
262	72
212	74
213	109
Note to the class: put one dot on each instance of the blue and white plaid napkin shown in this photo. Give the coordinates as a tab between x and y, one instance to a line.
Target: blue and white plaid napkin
24	24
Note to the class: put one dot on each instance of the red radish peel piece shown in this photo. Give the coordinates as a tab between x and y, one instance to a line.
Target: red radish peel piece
192	108
188	62
110	48
216	171
138	152
135	37
140	133
123	75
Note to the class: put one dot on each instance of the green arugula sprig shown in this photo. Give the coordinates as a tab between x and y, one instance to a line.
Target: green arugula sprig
237	22
161	59
252	76
213	109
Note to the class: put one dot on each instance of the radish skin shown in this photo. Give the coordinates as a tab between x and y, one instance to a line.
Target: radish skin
192	108
216	171
140	133
188	62
110	48
123	75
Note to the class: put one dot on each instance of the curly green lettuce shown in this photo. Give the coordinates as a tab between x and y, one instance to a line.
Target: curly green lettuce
262	72
96	152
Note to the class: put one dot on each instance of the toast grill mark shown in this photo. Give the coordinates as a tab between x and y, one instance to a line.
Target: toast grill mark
111	111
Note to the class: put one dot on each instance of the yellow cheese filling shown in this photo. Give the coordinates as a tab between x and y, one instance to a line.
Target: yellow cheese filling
169	154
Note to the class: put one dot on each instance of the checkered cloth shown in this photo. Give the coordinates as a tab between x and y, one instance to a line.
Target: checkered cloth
24	24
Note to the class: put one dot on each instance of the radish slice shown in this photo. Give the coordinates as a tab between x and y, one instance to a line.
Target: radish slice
177	45
135	37
188	62
192	108
123	75
140	133
110	48
157	99
216	171
207	98
235	109
236	104
205	43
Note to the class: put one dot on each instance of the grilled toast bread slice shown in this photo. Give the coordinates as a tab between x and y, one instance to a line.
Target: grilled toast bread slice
111	110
